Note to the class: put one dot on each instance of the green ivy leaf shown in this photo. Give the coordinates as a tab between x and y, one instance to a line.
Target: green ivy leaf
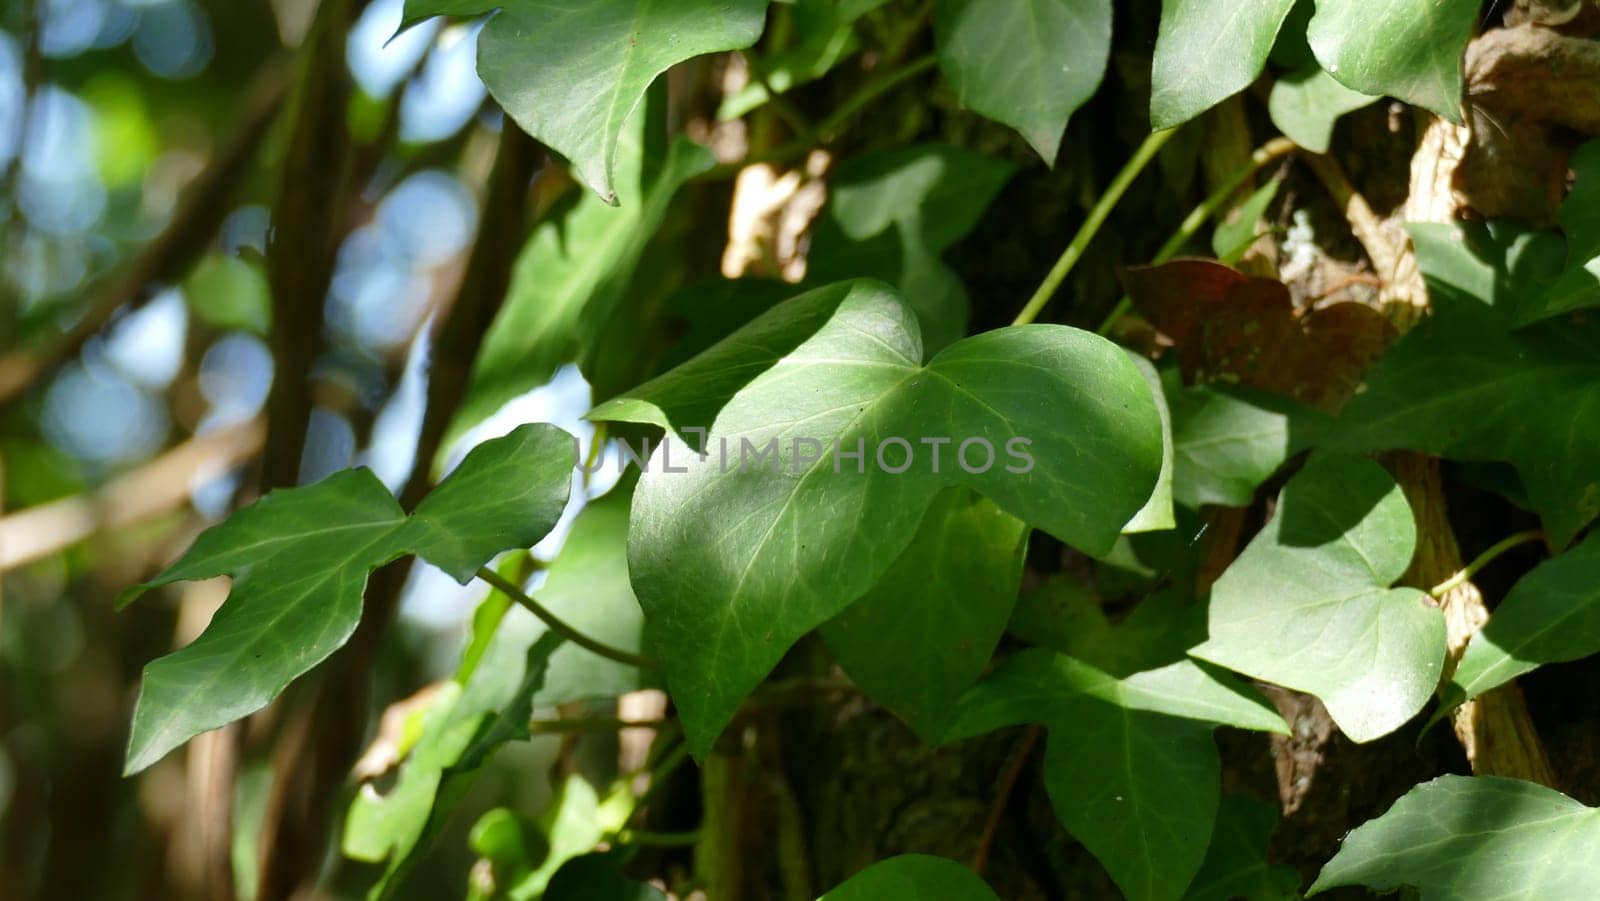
1461	385
571	74
1474	837
1308	604
891	214
1130	767
732	567
913	877
573	272
418	10
1552	615
1207	51
1306	103
1028	64
1410	49
300	560
1227	441
929	626
1236	865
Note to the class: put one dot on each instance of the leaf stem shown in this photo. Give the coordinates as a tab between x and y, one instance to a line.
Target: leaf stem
1484	559
658	839
558	626
1091	225
1261	156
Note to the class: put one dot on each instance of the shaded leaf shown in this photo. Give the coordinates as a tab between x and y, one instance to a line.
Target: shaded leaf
598	877
1576	284
1461	837
1156	514
1461	385
1207	51
890	215
1308	606
733	566
1130	766
1028	64
1409	49
929	626
912	877
1227	441
571	74
300	560
1234	328
1306	103
1236	864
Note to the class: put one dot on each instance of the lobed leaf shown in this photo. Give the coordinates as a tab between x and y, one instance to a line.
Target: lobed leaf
1207	51
1409	49
733	563
1308	606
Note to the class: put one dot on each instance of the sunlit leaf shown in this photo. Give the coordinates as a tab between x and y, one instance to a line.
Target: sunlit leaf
1028	64
1410	49
300	560
1207	51
733	563
1307	605
571	74
1461	837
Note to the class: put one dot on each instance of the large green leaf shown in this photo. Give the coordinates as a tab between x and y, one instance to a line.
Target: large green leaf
300	560
1207	51
1307	605
1551	615
913	877
571	73
1028	64
1157	512
1306	103
890	215
417	10
1130	767
573	273
734	557
1410	49
1462	385
929	626
1460	838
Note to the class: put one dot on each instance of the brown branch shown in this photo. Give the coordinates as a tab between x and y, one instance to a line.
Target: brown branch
170	255
154	488
1008	784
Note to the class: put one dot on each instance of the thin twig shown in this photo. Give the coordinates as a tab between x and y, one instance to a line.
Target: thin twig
1008	783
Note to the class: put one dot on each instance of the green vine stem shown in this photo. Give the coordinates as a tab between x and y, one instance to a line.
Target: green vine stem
1091	225
1261	156
560	627
1484	559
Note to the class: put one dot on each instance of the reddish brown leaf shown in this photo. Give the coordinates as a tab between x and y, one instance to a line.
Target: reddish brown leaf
1231	327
